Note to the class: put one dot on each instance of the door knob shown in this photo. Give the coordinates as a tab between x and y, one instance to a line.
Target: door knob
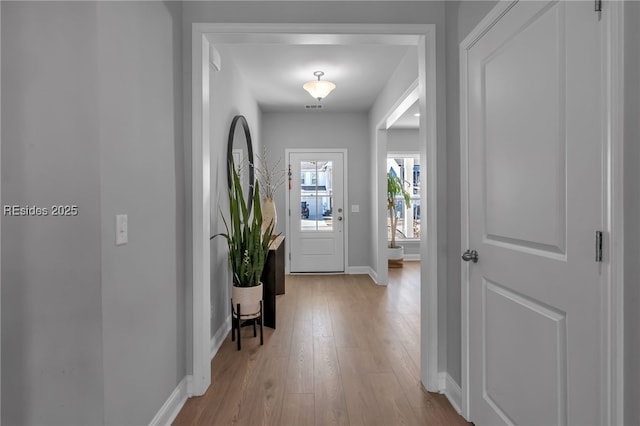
339	218
470	255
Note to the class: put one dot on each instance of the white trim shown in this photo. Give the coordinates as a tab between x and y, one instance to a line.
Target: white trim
364	270
172	406
359	270
613	282
374	276
214	58
413	257
412	94
429	240
613	288
379	206
200	213
451	390
464	225
218	339
424	36
323	34
0	220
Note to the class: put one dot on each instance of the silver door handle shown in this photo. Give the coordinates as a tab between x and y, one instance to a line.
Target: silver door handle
470	255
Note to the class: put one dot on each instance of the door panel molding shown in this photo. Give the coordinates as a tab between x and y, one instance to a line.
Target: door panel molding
612	325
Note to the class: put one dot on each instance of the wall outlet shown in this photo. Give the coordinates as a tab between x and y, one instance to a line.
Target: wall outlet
122	231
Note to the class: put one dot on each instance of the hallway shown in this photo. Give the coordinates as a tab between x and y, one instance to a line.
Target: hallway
345	352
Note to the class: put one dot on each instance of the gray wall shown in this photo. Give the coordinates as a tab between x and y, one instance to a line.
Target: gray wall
226	84
462	18
51	266
92	333
313	129
140	128
391	94
632	213
403	140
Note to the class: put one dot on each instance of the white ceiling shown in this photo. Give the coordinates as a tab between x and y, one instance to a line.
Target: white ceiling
275	73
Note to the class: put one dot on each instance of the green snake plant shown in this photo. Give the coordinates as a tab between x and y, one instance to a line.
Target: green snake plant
248	245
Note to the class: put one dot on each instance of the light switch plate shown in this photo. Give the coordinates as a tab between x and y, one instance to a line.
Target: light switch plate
122	231
355	208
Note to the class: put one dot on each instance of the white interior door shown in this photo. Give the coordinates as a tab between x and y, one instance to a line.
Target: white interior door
316	207
535	202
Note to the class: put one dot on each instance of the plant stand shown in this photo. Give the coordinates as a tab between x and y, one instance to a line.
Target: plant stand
246	309
238	321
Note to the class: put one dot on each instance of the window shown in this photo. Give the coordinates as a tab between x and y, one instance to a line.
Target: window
407	167
316	199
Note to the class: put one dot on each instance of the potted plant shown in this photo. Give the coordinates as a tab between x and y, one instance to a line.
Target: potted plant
248	246
395	187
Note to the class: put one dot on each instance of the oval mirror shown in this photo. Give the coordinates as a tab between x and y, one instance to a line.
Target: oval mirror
240	156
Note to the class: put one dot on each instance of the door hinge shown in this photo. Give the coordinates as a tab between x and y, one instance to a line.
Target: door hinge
598	246
598	5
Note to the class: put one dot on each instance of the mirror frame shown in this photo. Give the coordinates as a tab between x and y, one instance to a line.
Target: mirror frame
247	135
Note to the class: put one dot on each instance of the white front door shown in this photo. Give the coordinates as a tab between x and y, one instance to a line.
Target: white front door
535	201
316	207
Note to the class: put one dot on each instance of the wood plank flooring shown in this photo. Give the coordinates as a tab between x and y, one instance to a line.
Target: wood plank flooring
346	352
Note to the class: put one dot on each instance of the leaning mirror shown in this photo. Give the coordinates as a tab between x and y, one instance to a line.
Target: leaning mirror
240	156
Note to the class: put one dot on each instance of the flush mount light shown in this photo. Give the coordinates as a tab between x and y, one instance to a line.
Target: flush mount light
319	89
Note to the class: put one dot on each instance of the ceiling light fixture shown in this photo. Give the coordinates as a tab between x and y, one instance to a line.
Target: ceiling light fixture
319	89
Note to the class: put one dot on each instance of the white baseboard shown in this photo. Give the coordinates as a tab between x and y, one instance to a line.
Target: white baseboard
366	270
178	397
451	390
374	276
221	334
172	405
411	257
358	270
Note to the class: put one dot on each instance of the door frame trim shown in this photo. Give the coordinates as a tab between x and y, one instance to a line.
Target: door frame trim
612	409
422	35
345	195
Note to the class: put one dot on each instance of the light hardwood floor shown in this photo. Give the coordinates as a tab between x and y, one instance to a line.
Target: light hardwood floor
346	352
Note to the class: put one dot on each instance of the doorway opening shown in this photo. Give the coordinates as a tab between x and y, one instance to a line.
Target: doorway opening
422	36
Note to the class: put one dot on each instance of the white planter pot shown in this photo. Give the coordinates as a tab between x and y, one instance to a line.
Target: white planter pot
395	253
249	299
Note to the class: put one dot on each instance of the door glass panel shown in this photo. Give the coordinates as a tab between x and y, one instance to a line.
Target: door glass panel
316	196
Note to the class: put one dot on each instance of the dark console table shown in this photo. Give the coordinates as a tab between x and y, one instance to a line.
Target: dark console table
273	280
